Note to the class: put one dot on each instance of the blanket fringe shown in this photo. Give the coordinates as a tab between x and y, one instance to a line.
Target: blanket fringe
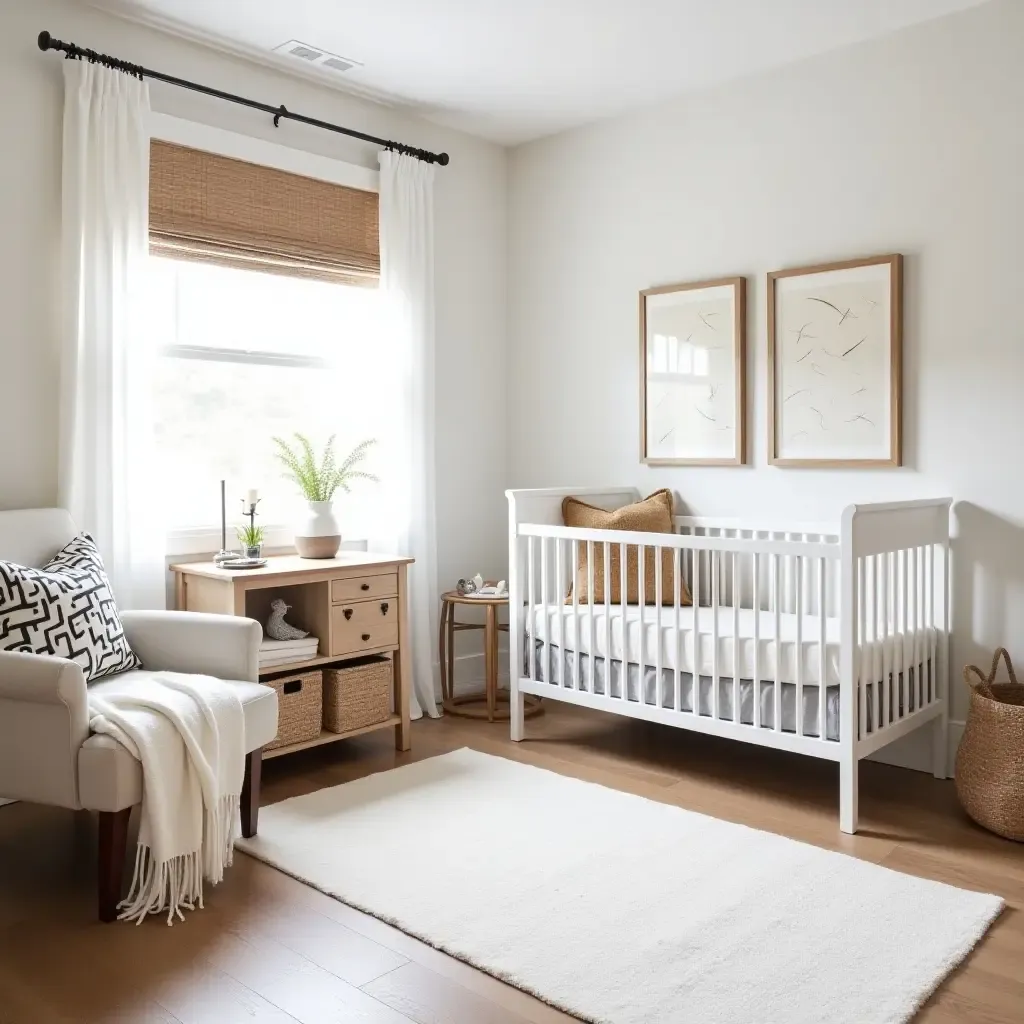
176	884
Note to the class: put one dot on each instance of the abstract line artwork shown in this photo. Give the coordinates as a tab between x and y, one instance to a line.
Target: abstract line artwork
834	353
691	373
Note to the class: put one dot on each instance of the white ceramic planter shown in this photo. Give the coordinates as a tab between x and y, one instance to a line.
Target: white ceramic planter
318	535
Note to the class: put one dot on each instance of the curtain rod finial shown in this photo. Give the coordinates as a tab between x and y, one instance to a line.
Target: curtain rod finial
44	40
443	159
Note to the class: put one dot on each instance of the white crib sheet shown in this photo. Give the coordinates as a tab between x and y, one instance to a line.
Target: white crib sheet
901	648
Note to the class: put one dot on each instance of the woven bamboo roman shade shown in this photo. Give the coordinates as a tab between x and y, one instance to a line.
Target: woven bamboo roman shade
212	208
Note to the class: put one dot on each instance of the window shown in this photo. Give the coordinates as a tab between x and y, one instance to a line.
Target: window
244	356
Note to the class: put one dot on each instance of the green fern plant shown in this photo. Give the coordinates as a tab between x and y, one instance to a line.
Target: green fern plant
319	478
249	536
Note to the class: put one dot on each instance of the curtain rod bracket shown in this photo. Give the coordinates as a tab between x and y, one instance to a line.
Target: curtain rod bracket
46	42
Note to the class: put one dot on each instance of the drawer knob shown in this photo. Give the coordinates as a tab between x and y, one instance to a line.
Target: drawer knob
364	586
383	607
366	636
348	613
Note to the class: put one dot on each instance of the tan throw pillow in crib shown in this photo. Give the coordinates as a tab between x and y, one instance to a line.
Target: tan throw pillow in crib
652	515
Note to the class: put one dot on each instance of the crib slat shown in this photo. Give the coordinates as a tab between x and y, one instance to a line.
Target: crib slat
577	639
756	605
886	694
822	661
695	695
901	632
714	569
546	627
933	553
657	626
798	603
623	605
777	687
531	618
735	638
677	695
590	616
919	557
642	624
607	618
560	606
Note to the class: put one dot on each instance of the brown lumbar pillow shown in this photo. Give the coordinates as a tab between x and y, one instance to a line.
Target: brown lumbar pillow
652	515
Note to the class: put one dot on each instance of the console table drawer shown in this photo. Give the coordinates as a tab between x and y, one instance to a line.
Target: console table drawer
363	626
362	588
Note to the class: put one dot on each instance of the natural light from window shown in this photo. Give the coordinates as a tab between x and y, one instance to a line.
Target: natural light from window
244	356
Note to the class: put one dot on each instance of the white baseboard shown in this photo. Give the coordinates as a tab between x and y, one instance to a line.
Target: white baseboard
3	801
915	750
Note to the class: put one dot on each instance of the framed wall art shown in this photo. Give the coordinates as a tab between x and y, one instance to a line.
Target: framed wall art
834	364
692	353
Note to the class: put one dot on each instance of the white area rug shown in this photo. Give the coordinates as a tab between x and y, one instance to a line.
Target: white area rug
619	909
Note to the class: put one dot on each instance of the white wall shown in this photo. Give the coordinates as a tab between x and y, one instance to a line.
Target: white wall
911	143
470	267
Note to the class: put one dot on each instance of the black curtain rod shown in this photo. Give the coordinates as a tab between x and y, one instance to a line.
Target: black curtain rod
47	42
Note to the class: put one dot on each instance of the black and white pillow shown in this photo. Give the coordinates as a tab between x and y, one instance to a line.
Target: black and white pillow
66	609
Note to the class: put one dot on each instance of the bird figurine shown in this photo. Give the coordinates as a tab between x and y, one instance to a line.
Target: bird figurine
277	628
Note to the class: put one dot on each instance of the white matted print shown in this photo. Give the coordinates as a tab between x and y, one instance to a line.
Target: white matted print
834	354
692	345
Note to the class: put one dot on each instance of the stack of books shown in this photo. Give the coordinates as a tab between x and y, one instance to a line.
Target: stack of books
284	652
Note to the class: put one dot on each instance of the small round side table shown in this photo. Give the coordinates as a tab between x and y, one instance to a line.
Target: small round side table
483	704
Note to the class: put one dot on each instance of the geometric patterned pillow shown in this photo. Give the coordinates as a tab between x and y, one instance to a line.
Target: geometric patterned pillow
66	609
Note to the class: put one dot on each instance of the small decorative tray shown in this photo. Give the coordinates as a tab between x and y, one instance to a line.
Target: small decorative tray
243	563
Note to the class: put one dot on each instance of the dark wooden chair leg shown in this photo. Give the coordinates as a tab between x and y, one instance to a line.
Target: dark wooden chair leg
113	844
251	793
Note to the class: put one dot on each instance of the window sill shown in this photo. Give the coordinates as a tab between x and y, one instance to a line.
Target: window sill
206	541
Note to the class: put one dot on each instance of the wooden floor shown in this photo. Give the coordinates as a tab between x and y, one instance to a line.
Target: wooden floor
268	950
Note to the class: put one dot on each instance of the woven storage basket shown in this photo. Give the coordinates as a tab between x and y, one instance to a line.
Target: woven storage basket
357	695
299	707
990	759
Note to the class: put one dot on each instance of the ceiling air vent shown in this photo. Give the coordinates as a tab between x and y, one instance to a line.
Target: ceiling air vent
319	58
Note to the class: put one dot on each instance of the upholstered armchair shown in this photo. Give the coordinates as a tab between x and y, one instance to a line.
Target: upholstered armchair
47	754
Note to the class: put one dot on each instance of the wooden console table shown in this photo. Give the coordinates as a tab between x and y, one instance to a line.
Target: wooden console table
355	604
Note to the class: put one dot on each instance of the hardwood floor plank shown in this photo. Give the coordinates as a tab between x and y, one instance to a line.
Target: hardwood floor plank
203	995
327	943
430	998
294	984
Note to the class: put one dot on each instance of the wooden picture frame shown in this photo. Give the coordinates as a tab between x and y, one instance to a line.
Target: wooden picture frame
835	364
693	392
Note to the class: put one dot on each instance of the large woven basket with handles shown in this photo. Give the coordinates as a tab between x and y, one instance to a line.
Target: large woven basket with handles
990	759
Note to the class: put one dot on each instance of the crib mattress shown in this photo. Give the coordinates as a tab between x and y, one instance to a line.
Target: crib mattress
621	641
573	670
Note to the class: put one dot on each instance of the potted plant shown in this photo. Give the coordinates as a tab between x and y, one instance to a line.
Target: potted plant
319	535
251	539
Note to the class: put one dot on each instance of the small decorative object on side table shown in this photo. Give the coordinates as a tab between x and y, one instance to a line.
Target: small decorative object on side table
468	705
319	535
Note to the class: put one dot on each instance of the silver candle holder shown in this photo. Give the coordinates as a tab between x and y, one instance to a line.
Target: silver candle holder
223	555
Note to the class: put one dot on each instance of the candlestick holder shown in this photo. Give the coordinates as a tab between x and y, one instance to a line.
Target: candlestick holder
251	538
223	555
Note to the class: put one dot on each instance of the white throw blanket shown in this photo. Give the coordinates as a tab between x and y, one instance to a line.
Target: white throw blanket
188	733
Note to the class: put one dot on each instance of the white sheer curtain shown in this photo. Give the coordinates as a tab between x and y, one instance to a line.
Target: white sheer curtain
407	283
105	472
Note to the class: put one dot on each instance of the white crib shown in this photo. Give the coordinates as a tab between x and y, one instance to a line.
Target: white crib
829	641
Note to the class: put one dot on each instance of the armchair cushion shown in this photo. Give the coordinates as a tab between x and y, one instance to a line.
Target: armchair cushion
65	610
110	779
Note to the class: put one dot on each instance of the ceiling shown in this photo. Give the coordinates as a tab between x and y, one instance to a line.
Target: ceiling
513	70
